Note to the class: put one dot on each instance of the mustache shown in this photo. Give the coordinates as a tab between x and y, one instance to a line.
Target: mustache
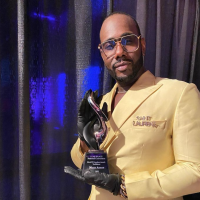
121	60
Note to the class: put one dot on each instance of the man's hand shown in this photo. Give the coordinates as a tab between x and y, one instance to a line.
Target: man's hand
85	113
88	122
110	182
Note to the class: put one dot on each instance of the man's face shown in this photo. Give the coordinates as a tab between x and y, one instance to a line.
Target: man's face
124	67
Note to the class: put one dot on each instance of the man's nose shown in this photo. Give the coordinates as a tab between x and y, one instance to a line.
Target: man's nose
119	50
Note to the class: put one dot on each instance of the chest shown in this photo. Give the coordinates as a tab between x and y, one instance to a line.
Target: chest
145	135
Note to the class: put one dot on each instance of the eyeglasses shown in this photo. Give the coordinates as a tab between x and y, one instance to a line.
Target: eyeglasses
130	44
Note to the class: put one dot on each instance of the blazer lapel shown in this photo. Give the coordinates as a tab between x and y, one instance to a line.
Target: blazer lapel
135	96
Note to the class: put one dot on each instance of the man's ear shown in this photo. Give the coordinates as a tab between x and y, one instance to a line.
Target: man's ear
143	45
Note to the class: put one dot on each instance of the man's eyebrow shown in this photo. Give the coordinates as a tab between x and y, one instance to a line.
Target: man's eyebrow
124	34
127	33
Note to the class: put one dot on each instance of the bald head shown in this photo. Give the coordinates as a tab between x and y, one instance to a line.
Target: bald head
118	22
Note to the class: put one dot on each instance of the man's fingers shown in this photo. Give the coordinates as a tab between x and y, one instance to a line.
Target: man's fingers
95	94
75	173
84	106
98	100
87	93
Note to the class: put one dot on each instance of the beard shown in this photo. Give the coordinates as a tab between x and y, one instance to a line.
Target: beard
131	78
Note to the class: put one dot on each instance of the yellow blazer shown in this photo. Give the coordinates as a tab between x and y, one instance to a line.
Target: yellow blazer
154	139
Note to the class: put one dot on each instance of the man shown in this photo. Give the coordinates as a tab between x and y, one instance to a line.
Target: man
153	139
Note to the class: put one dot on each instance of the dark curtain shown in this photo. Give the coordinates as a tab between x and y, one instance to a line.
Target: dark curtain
49	58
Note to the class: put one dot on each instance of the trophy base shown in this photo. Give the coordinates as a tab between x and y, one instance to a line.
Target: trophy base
96	161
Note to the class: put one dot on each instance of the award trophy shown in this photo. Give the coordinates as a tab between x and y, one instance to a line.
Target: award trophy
95	159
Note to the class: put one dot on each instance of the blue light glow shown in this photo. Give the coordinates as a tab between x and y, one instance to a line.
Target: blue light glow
44	16
44	93
61	96
48	100
48	97
35	94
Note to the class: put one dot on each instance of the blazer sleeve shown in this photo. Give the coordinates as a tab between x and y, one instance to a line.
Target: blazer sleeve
77	155
184	176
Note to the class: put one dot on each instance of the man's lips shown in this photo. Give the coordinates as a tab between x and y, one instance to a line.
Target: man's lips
121	66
